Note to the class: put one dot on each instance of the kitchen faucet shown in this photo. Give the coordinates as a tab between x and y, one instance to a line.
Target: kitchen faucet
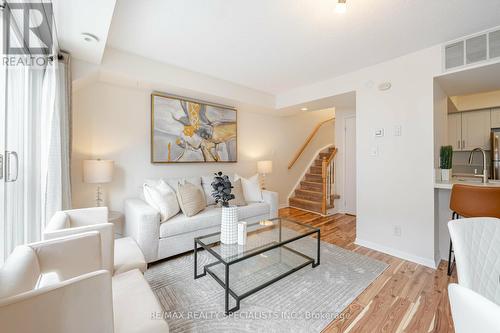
484	176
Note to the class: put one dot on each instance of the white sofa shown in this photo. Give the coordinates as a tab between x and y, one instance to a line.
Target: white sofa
176	235
82	298
119	255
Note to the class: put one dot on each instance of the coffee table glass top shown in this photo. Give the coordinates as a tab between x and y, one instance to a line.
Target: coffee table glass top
262	236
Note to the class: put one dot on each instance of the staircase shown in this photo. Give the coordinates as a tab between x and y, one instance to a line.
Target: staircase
315	192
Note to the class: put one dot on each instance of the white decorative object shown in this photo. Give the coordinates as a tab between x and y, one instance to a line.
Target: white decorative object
445	175
229	225
242	233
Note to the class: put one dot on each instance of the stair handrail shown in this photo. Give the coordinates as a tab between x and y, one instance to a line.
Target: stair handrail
327	176
308	140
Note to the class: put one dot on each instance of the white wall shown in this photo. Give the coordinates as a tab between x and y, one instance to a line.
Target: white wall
394	188
484	100
112	121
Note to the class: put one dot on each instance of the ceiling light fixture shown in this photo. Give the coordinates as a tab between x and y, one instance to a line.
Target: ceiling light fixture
304	109
88	37
341	6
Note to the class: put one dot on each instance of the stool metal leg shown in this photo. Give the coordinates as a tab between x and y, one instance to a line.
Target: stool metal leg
451	265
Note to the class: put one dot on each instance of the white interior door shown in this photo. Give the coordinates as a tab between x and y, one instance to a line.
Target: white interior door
350	165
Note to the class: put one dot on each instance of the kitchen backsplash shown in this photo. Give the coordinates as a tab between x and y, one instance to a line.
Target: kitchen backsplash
461	165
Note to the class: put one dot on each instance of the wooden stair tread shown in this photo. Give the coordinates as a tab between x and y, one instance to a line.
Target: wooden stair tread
308	195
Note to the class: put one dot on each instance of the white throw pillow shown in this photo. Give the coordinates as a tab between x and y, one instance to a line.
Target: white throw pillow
163	198
206	183
251	188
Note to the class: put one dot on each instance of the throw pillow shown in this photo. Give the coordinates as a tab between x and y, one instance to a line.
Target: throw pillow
161	197
251	188
191	199
206	183
239	197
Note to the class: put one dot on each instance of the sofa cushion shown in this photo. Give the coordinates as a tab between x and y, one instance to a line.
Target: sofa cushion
191	199
252	210
251	188
135	305
237	191
163	198
180	223
210	217
206	183
128	256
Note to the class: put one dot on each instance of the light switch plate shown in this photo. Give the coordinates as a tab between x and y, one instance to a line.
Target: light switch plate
397	130
378	133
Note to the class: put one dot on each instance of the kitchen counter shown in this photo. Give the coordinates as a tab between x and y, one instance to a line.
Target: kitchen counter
442	212
447	185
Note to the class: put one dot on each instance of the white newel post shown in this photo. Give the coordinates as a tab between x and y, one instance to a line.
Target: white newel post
229	225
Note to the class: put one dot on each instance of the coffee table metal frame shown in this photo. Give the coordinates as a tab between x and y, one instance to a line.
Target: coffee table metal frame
199	244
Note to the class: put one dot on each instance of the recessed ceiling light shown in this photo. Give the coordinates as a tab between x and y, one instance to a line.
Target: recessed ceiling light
90	38
341	6
304	109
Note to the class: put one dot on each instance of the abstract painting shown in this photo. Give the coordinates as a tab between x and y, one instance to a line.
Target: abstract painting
184	130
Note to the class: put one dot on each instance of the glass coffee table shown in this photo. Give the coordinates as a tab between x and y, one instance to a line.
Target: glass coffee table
274	249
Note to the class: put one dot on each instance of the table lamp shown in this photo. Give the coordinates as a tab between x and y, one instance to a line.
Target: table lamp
98	172
264	168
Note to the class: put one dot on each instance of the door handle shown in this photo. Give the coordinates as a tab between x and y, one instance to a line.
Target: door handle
463	144
459	144
8	156
1	166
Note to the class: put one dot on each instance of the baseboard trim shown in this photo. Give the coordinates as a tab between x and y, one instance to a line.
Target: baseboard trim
396	253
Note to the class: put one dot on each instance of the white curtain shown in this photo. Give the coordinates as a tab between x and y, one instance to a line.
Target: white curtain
55	139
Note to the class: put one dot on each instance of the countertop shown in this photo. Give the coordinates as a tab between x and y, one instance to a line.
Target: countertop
447	185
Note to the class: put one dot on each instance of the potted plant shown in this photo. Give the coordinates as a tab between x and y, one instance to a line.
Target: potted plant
221	191
446	157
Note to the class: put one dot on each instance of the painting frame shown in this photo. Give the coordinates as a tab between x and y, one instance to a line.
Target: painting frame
157	94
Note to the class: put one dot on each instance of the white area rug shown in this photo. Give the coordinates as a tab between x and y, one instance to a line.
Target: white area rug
305	301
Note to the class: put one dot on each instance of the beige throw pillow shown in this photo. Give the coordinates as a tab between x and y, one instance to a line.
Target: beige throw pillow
239	198
191	199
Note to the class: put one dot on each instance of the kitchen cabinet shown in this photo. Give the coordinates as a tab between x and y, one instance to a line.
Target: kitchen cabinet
495	118
455	130
471	129
476	128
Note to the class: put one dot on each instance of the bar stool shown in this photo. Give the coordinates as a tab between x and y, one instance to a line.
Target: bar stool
472	201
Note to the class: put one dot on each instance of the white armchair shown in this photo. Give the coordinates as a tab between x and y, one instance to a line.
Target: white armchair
80	301
475	300
119	255
84	298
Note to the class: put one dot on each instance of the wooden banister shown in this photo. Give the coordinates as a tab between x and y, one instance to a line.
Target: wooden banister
306	143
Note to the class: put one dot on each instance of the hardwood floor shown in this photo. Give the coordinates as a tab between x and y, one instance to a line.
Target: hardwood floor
407	297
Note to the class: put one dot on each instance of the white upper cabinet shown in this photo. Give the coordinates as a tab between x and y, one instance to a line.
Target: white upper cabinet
495	118
455	130
476	128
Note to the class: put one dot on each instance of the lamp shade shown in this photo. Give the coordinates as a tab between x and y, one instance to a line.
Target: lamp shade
265	167
97	171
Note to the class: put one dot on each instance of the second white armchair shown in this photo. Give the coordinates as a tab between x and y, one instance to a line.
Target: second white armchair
119	255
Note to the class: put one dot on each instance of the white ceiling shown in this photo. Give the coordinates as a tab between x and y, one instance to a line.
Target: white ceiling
277	45
77	16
